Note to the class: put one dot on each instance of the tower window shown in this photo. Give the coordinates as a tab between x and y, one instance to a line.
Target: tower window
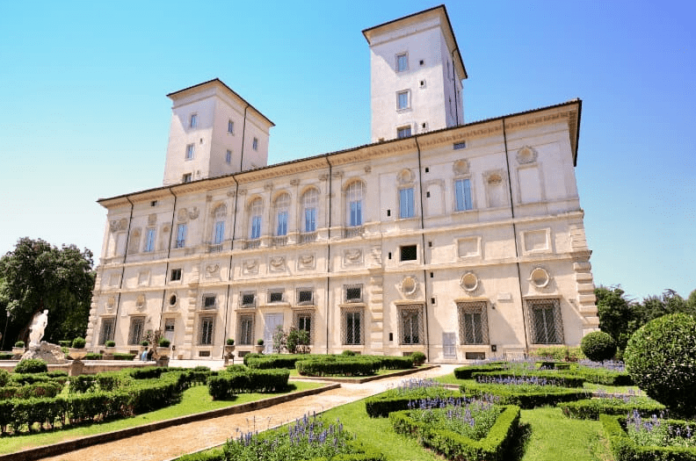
402	100
190	151
409	253
186	178
230	126
255	144
403	132
401	62
193	121
228	156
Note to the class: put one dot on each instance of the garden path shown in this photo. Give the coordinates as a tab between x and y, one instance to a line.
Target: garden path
178	440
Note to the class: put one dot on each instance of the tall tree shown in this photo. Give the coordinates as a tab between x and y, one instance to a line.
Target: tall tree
37	276
617	315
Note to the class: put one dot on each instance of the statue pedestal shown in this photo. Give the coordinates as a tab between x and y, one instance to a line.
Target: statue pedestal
49	353
76	368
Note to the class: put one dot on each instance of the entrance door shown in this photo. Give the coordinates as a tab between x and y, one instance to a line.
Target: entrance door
272	321
169	330
449	345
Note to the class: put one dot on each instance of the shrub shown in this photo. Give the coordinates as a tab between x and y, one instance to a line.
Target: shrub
625	449
349	353
418	358
79	343
592	408
526	397
598	346
266	362
466	372
110	343
251	356
34	390
391	362
552	365
344	366
4	377
124	356
408	392
604	376
568	354
145	343
6	355
236	368
65	343
661	359
227	385
542	377
164	342
93	356
19	344
31	366
259	342
230	342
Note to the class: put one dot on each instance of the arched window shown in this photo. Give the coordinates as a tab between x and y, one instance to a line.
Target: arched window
354	204
310	203
255	212
282	203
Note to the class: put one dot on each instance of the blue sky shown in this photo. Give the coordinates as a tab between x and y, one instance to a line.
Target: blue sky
84	113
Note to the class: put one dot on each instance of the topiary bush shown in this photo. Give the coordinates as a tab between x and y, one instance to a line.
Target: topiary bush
418	358
79	343
31	366
598	346
19	344
110	343
661	359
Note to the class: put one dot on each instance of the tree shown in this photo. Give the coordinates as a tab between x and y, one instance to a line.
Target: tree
37	276
617	316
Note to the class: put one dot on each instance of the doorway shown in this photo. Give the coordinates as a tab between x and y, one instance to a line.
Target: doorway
271	322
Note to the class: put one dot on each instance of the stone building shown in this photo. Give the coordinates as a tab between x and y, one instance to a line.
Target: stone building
460	240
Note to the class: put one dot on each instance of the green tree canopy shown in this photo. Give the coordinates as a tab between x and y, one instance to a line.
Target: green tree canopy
37	276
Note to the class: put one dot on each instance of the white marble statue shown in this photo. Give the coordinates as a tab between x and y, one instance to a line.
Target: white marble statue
37	329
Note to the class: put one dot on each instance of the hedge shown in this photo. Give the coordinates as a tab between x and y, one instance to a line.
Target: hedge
31	366
266	362
4	377
38	389
380	406
552	365
451	445
625	449
6	355
392	362
119	356
31	378
226	385
561	379
591	408
508	395
467	371
338	365
603	376
93	356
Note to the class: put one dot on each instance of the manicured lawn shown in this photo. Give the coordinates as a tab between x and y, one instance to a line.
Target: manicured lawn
195	400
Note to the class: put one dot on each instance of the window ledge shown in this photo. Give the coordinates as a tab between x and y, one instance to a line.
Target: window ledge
356	304
270	305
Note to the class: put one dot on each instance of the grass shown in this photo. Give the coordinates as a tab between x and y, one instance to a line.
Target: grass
195	400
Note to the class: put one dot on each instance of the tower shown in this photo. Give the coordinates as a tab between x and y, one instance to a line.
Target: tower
416	73
213	132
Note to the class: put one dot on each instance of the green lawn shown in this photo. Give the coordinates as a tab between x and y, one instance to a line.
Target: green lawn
195	400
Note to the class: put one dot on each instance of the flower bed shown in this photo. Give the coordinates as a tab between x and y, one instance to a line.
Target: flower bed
541	377
601	375
467	371
474	431
403	396
524	395
636	439
611	405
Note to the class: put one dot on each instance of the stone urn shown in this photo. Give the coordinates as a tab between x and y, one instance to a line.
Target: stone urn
259	348
229	348
77	354
109	353
18	351
163	351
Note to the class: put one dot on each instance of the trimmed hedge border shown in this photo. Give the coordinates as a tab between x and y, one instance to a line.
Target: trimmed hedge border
562	379
552	365
508	396
346	366
625	449
467	371
600	376
226	385
592	408
455	446
381	405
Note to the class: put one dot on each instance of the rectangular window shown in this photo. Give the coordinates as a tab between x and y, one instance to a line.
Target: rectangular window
248	299
473	323
406	208
546	322
230	126
209	302
135	334
205	337
228	157
303	321
275	296
352	327
219	232
410	325
190	151
356	213
255	144
186	178
462	188
459	145
409	253
246	330
401	62
305	297
353	293
255	227
403	132
180	236
282	227
402	100
175	275
193	121
150	240
310	219
107	330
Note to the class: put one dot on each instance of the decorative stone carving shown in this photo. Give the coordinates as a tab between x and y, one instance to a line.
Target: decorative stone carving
111	303
182	215
152	219
540	277
242	192
353	256
461	167
231	193
219	210
294	182
469	282
368	169
493	178
409	285
405	176
268	186
118	225
140	302
212	270
37	329
323	177
338	174
250	267
527	154
277	264
193	214
305	261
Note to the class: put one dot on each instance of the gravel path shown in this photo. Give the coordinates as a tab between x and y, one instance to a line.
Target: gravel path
178	440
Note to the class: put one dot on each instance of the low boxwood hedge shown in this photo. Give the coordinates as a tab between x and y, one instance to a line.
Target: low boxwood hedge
466	371
552	365
559	378
603	376
6	355
523	397
120	356
338	365
93	356
625	449
381	405
37	389
493	447
265	362
592	408
226	385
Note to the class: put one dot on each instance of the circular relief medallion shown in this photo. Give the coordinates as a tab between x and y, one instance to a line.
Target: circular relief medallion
409	285
111	303
469	282
540	277
140	302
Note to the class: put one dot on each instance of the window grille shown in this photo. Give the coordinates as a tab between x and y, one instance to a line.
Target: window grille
209	302
411	330
107	330
473	323
305	321
352	326
275	296
207	329
136	330
409	253
305	297
176	275
246	330
353	293
248	299
545	322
